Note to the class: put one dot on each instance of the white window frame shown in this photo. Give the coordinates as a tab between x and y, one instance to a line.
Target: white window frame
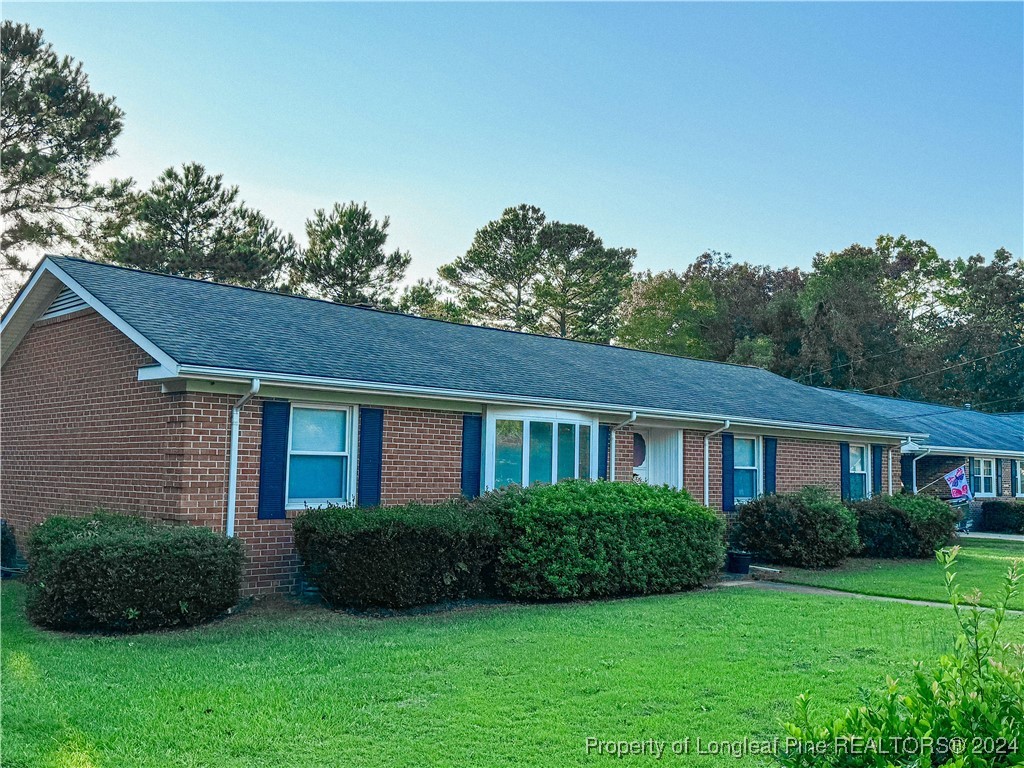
758	467
868	490
552	417
350	441
982	475
1020	478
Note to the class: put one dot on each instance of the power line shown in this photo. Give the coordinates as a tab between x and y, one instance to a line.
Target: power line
947	368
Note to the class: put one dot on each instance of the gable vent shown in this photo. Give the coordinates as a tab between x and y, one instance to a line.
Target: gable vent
66	301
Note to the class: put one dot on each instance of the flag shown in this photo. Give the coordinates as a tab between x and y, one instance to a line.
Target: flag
959	487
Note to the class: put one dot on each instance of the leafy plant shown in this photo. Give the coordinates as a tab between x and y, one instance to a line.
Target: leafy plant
807	529
582	539
8	546
904	525
967	710
1003	516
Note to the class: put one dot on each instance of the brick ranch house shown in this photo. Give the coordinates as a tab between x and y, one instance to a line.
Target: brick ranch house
989	446
198	403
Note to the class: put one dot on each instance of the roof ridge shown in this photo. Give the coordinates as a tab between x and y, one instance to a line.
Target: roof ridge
906	400
268	292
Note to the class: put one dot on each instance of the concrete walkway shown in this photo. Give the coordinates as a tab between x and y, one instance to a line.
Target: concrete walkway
994	536
803	589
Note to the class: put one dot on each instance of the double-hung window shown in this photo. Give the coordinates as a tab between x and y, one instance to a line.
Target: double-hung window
746	458
319	456
541	449
860	472
984	479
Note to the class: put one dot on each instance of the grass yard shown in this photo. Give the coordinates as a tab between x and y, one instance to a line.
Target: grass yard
981	565
493	685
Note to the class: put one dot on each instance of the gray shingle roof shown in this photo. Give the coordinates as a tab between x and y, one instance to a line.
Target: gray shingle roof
945	425
206	324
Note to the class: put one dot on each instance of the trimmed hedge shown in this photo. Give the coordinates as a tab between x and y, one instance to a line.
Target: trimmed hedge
125	574
1003	516
904	525
807	529
396	557
582	539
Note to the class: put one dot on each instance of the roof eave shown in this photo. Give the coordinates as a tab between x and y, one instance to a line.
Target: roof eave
160	373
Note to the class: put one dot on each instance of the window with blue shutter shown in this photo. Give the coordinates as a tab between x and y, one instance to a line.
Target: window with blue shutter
472	440
604	445
844	471
999	477
728	478
876	469
371	452
770	461
1014	477
273	459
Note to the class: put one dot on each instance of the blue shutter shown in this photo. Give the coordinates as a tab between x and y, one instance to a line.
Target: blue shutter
876	470
771	449
472	434
907	473
728	475
604	439
844	471
999	477
273	459
1014	490
371	451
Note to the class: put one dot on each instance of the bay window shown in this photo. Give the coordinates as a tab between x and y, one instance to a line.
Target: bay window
860	465
746	458
539	447
983	480
1020	477
319	461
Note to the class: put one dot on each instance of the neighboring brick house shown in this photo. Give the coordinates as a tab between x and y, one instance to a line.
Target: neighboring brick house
197	403
990	447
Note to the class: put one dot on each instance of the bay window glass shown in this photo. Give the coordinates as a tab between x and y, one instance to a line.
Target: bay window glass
858	472
318	456
745	468
1020	477
541	451
508	452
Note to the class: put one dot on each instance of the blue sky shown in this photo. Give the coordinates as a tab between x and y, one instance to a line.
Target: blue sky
770	131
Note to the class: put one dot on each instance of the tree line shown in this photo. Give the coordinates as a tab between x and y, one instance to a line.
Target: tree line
894	318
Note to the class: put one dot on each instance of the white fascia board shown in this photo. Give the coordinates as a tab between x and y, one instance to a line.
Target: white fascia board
959	451
347	385
108	314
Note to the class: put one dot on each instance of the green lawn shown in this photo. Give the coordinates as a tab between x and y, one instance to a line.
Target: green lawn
981	565
494	685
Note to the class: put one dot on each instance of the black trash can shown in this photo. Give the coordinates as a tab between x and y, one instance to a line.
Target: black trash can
737	562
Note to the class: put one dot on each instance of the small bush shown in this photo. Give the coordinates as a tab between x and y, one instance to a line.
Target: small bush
8	546
1003	516
904	526
965	710
807	529
121	573
396	557
582	539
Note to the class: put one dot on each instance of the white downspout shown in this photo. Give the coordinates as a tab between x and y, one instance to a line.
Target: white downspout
236	413
616	428
707	450
914	463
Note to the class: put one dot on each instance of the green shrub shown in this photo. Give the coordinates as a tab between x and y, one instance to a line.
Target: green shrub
8	546
582	539
1003	516
396	557
807	529
904	526
121	573
966	710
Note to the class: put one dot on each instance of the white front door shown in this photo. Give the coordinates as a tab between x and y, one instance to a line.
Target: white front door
641	438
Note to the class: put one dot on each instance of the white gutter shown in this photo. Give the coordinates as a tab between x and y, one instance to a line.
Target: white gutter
155	373
611	458
914	464
236	414
707	448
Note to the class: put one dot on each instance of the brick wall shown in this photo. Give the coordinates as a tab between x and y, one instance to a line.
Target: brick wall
807	462
422	457
693	467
